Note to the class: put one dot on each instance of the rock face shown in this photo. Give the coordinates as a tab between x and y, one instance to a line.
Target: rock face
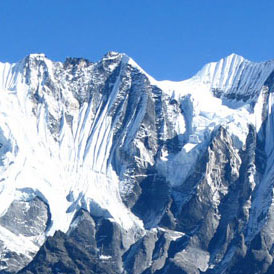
103	169
23	227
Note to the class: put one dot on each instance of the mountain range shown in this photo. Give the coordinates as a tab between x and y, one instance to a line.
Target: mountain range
104	169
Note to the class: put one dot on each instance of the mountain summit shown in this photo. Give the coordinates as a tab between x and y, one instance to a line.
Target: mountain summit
103	169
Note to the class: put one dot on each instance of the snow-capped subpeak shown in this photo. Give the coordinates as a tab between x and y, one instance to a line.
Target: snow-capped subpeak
234	77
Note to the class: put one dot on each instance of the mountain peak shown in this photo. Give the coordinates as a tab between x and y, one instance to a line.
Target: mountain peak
235	56
37	56
113	55
235	76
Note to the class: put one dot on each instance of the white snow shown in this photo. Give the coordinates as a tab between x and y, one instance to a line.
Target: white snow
77	164
104	257
18	243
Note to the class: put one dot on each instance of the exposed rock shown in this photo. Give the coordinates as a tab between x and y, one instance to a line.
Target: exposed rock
24	224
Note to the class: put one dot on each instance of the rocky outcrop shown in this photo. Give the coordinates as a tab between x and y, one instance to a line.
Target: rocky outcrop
25	223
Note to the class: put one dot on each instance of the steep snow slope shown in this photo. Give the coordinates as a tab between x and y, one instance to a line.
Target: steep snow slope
65	166
95	135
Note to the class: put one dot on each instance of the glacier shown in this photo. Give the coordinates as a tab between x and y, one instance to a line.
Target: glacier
83	135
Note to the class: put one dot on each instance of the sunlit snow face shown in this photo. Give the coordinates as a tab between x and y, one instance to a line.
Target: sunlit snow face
75	159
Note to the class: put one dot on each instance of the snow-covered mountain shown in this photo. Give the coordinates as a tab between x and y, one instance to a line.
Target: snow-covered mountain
103	169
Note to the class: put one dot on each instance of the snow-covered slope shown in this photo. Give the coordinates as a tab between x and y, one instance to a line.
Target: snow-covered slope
106	137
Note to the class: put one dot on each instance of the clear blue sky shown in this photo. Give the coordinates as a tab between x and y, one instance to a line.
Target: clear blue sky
170	39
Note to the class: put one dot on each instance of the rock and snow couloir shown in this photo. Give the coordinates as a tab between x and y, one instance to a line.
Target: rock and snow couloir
178	171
